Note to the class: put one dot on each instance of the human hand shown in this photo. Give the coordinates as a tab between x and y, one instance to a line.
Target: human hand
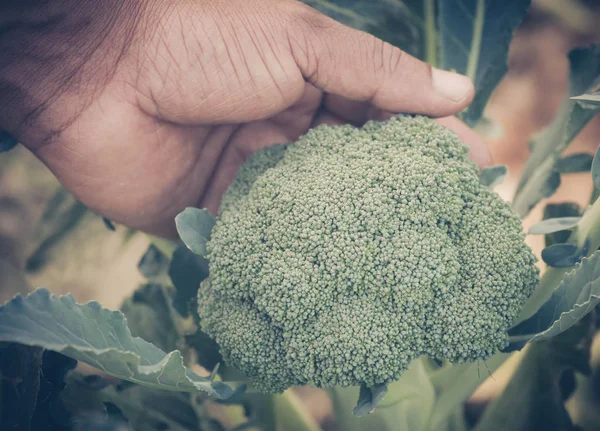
154	105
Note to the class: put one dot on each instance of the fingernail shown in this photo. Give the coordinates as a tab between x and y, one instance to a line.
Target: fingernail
452	86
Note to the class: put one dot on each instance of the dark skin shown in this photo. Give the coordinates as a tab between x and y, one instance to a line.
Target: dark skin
144	107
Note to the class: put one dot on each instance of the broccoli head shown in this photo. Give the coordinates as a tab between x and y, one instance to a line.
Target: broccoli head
338	259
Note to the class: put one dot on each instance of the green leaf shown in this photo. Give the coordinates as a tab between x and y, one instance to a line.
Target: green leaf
553	225
7	142
493	175
19	384
31	381
548	146
369	398
576	295
187	270
98	337
474	39
399	22
194	227
563	255
559	210
574	163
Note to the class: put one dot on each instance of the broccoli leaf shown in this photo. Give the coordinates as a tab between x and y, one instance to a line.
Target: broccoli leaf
31	381
539	175
369	398
474	38
399	22
98	337
187	270
7	142
553	225
563	255
576	295
194	226
574	163
493	175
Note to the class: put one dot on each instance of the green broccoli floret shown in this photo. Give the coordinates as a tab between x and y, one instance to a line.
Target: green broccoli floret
340	258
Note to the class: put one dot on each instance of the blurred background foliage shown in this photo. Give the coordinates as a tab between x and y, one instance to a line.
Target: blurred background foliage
49	239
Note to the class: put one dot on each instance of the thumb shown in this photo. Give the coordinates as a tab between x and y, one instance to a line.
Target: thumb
358	66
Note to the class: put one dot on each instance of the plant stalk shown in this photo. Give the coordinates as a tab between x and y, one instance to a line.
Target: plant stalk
291	414
478	23
430	33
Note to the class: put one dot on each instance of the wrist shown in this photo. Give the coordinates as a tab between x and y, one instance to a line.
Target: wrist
53	57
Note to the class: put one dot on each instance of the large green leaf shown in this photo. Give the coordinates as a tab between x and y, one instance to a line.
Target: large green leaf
538	180
575	296
474	37
98	337
31	381
399	22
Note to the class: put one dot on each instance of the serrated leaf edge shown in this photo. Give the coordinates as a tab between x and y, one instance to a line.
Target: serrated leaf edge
203	384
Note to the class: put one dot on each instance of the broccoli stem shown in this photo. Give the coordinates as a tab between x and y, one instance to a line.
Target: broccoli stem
291	414
588	229
280	412
408	405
